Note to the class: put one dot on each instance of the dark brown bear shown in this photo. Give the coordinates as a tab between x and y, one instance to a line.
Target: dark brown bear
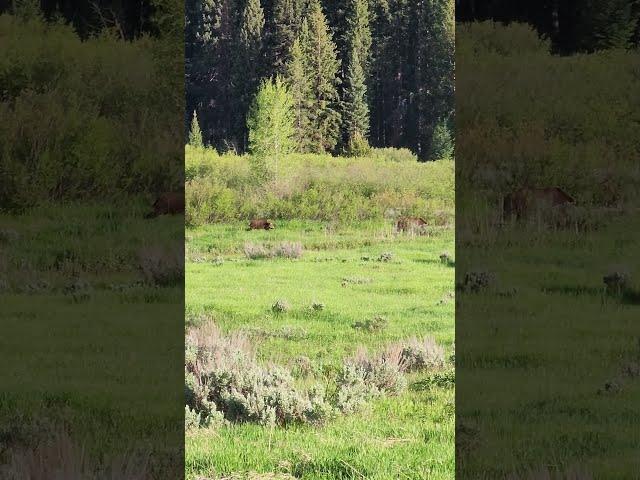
406	224
260	224
168	203
526	201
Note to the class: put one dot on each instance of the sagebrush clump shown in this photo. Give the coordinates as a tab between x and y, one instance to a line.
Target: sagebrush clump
478	281
616	282
386	257
421	354
223	375
292	250
162	266
317	306
374	324
446	259
281	306
365	376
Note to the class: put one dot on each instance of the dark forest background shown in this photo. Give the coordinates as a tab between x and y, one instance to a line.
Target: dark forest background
571	25
405	56
130	17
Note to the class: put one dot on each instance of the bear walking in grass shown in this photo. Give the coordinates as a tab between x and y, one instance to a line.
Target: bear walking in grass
524	202
261	224
410	224
168	203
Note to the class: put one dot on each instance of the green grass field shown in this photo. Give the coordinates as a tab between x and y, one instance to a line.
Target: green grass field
537	361
407	436
89	344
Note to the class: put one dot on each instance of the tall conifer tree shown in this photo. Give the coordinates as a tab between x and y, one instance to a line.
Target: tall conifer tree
355	111
300	90
287	19
359	32
322	71
249	65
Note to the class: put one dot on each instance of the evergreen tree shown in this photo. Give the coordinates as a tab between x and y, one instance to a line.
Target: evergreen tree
27	9
403	73
208	67
322	66
300	88
607	24
251	29
434	76
248	66
359	32
355	111
195	134
287	19
442	142
271	125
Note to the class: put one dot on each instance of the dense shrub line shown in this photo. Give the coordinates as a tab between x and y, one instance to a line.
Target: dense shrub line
580	138
88	118
317	187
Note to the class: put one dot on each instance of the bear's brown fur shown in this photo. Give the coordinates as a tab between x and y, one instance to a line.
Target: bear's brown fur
405	224
526	201
168	203
261	224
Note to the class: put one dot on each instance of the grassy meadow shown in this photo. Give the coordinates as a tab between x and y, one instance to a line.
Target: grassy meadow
347	284
72	286
548	353
549	327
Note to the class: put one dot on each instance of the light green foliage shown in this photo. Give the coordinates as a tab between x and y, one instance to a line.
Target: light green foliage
567	139
195	134
220	188
441	142
88	123
271	127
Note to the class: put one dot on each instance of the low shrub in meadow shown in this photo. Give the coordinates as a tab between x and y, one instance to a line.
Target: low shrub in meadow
446	259
375	324
365	376
392	154
223	375
256	251
478	281
281	306
317	306
386	257
293	250
63	457
162	266
421	354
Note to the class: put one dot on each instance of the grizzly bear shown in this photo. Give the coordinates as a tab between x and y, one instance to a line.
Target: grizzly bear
167	203
261	224
411	224
526	201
